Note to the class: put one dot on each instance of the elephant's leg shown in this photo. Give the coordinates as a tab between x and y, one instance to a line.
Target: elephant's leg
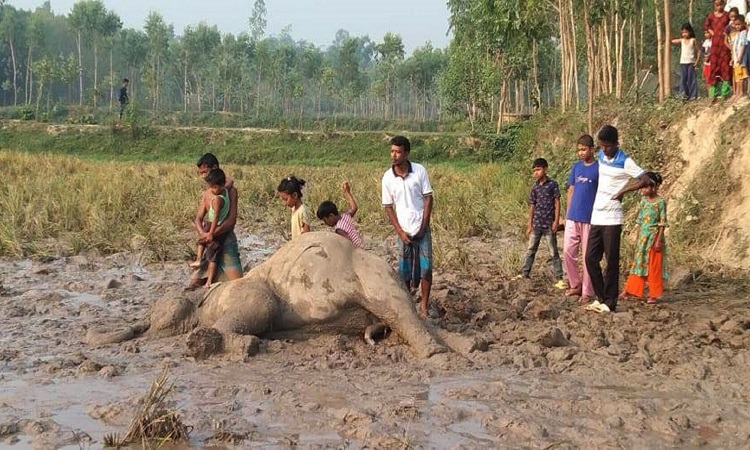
251	312
384	296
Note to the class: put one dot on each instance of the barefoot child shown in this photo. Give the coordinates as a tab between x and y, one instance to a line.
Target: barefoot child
738	41
211	243
688	51
342	223
648	265
290	192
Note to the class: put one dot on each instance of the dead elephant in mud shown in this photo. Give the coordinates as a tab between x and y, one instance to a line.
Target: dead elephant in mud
318	283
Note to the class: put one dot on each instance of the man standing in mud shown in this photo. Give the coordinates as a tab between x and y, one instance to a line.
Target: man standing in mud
616	169
407	198
229	255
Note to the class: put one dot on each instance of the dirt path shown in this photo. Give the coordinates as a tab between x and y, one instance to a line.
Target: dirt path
552	375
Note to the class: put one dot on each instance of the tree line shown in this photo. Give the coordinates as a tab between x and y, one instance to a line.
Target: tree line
505	56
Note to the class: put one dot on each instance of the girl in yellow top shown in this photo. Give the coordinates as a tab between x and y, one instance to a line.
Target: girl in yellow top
290	192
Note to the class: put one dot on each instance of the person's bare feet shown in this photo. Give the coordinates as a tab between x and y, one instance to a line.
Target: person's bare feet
583	299
572	292
195	265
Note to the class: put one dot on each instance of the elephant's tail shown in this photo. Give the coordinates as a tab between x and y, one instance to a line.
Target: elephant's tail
102	337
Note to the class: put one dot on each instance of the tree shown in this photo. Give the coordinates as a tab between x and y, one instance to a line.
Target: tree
85	21
10	29
258	21
390	54
110	27
159	35
46	71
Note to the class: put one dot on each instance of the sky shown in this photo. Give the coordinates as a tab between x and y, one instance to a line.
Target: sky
316	21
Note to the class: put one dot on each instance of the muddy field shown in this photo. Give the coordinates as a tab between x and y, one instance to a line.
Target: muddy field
544	373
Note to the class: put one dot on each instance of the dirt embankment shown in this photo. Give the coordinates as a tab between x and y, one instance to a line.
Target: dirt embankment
714	149
543	372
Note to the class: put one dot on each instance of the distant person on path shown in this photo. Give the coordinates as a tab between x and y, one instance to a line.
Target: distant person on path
229	265
648	264
342	224
218	210
616	169
688	61
123	97
582	184
408	202
544	218
720	72
290	192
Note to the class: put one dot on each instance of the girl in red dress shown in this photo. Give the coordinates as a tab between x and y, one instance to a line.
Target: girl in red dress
720	58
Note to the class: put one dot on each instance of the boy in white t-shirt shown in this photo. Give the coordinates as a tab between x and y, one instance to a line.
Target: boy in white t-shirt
616	169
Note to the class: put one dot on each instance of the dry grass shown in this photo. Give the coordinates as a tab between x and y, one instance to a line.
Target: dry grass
56	205
154	422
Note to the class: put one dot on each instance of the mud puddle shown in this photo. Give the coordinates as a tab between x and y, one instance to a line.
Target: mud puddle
550	376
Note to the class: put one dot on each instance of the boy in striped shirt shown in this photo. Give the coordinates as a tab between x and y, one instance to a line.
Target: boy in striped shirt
343	223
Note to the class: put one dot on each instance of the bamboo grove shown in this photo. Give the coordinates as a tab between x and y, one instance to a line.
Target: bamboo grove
505	57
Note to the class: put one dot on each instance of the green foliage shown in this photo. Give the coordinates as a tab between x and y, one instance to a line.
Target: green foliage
27	113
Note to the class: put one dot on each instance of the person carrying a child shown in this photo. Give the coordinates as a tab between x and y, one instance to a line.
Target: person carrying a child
229	266
210	243
290	192
342	224
648	264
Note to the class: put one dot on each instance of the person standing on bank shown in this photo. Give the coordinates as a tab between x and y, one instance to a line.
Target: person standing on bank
408	202
616	169
123	97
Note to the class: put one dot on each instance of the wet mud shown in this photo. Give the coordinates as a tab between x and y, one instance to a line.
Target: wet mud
541	372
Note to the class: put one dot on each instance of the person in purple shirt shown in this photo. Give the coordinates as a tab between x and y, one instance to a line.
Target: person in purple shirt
582	184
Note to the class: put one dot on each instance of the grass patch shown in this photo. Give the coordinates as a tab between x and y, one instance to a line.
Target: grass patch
59	205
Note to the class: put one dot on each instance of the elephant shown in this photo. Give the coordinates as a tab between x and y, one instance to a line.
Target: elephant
316	283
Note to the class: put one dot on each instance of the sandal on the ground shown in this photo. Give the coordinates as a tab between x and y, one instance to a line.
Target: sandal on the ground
594	306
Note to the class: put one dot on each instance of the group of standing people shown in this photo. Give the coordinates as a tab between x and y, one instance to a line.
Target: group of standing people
593	224
406	195
726	56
